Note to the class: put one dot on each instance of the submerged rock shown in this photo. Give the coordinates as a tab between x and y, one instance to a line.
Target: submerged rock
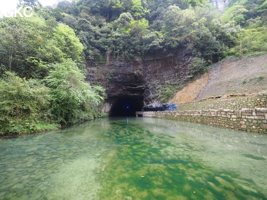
161	107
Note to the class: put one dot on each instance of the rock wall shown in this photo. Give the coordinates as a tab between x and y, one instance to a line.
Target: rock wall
140	77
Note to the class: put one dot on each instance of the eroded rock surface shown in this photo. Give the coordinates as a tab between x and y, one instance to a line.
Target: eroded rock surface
139	78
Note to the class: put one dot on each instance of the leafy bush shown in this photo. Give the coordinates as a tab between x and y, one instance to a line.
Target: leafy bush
28	44
72	99
198	65
166	95
168	91
23	104
252	41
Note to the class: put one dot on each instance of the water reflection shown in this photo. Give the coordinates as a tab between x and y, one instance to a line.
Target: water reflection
135	158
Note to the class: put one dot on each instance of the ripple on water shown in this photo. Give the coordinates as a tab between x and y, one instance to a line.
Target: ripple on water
138	158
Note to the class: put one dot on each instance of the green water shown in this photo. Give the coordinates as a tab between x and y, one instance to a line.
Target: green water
135	158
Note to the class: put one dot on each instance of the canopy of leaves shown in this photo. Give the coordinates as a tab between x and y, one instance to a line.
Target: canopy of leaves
72	99
26	44
124	29
21	101
252	17
39	47
240	11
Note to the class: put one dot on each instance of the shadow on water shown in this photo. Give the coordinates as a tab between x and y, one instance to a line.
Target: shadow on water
135	158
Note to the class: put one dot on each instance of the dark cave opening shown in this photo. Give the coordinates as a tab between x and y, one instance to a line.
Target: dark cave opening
126	106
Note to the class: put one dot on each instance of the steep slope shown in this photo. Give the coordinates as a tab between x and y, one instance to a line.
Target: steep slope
192	90
232	76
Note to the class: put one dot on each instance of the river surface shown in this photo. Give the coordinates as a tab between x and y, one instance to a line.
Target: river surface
134	159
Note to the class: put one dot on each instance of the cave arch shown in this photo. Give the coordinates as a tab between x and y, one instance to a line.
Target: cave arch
126	105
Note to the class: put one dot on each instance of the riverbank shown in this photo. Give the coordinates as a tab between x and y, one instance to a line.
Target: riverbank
251	120
42	128
240	113
53	127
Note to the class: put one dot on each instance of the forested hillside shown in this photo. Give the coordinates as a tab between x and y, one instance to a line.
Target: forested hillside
43	57
137	28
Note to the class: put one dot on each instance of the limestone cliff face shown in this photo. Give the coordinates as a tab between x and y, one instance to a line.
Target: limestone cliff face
139	78
220	4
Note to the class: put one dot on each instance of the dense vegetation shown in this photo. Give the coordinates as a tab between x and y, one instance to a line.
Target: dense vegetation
126	29
252	17
42	83
42	58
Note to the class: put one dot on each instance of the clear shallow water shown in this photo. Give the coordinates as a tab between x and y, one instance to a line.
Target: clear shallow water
135	158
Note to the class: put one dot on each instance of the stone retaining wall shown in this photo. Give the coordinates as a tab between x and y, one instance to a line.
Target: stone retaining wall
252	120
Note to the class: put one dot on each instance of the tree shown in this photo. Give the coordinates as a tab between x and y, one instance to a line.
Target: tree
23	103
72	99
138	10
26	45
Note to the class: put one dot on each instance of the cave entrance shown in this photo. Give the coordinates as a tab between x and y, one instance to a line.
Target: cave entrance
126	106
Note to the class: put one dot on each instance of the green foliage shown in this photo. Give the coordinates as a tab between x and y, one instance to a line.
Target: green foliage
129	28
260	77
252	41
197	2
152	41
23	103
26	45
167	91
123	21
26	126
235	13
138	10
198	66
167	95
142	23
183	4
241	11
28	106
39	46
197	30
147	27
67	42
21	97
263	7
72	99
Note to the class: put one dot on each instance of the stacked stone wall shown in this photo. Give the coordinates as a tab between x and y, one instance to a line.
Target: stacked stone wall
252	120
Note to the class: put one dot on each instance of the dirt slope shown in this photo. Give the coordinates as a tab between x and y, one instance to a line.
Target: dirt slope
191	91
232	76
